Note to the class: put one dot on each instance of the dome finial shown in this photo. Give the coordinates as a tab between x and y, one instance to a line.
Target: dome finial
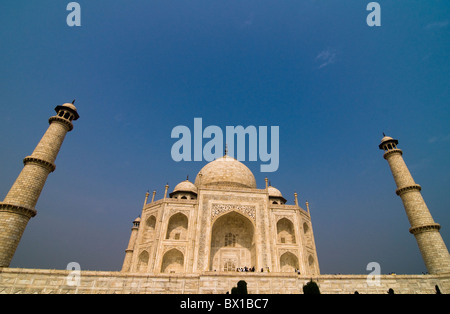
73	102
384	134
226	149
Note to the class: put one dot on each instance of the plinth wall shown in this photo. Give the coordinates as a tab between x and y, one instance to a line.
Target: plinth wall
43	281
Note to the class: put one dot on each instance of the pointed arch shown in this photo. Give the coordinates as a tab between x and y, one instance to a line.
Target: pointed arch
173	262
305	228
285	231
150	224
143	261
177	227
288	262
307	234
311	265
232	242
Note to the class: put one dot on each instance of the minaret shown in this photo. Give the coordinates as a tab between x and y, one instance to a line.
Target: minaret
18	206
130	249
426	231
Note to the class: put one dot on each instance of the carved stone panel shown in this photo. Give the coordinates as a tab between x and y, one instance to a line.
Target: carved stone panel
247	210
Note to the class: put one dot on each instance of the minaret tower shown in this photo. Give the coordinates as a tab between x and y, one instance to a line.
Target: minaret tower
130	249
18	206
426	231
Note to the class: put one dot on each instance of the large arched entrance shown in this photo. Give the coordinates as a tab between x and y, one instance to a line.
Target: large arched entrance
232	243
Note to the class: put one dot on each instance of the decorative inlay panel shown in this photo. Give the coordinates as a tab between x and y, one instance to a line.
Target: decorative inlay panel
247	210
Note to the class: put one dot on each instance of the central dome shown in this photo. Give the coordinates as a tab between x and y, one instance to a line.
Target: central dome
226	171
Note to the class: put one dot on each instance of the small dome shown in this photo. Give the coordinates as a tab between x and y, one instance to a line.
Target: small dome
185	186
275	195
386	138
71	106
137	220
226	171
274	192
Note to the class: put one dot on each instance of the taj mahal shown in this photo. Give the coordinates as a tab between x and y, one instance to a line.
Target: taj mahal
203	236
222	222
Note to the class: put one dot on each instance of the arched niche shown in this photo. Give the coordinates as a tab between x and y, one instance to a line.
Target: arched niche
177	227
285	231
150	224
143	261
173	262
288	262
311	264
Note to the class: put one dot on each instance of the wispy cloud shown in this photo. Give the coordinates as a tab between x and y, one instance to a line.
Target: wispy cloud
441	138
326	57
437	25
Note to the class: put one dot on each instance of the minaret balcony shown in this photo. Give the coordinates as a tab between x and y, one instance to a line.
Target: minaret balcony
409	188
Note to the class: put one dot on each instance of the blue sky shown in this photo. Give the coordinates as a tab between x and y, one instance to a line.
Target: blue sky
314	68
